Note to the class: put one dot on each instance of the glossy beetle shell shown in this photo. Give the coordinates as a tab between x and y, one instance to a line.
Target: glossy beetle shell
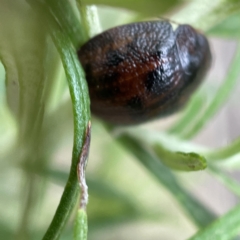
142	71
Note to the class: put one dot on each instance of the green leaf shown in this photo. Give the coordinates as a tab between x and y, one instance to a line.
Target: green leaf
30	62
180	160
57	129
226	227
205	15
80	229
199	214
148	8
6	232
228	28
111	206
30	65
190	113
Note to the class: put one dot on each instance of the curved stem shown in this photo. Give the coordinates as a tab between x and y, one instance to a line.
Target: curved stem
79	95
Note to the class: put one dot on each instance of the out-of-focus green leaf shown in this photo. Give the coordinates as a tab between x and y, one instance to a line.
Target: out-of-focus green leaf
180	160
5	232
199	214
57	129
108	211
205	14
117	17
221	96
29	62
115	205
229	182
150	8
228	28
225	228
191	112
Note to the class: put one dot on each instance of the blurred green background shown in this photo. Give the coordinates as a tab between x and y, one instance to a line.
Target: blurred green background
127	199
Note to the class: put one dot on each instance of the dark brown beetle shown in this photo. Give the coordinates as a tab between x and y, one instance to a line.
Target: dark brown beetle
142	71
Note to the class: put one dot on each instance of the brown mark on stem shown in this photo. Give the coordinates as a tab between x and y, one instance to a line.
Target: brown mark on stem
81	168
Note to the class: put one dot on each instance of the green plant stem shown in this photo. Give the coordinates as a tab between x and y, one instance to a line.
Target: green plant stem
221	96
62	11
80	229
79	95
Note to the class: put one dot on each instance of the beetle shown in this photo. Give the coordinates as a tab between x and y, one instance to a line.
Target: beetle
142	71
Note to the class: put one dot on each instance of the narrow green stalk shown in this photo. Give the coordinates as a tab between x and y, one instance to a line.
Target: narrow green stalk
63	13
79	95
81	228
